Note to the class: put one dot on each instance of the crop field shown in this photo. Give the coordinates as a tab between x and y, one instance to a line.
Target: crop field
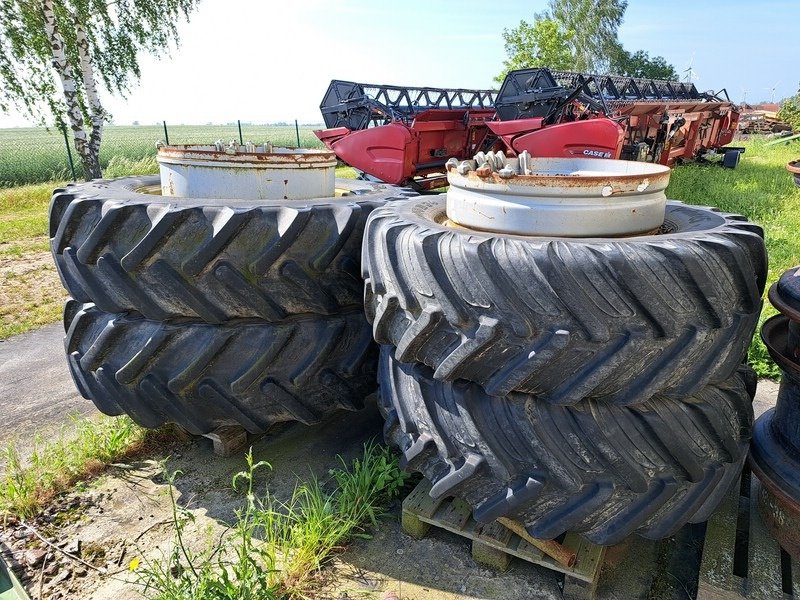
37	155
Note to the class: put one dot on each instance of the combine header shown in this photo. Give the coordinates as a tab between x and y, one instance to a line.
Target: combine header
404	135
665	121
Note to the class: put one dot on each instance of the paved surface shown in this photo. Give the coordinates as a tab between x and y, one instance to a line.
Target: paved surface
36	390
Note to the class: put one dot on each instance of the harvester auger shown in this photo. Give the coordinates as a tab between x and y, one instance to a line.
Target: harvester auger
404	135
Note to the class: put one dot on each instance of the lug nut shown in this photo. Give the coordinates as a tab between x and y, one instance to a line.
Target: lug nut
507	172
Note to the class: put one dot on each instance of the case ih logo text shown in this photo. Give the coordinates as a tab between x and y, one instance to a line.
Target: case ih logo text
597	153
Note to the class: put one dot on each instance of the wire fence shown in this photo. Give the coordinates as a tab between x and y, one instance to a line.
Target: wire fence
38	155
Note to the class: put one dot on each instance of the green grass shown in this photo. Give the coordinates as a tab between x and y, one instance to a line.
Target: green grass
35	155
26	486
30	292
23	217
274	549
761	189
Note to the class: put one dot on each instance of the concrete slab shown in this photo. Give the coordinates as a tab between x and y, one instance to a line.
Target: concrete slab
37	394
766	395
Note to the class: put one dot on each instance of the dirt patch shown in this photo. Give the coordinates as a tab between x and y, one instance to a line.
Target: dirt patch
31	294
125	515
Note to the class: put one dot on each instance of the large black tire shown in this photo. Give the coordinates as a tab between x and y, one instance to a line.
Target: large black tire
202	376
603	470
621	319
212	260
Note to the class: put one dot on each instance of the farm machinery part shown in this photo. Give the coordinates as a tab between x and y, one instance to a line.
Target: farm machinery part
224	293
404	135
794	169
246	172
775	448
664	121
572	197
577	373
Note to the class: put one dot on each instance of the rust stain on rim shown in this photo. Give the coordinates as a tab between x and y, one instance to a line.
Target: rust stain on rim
568	180
296	156
573	173
621	183
794	167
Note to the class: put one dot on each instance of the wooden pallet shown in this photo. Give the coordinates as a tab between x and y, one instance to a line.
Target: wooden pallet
493	545
741	559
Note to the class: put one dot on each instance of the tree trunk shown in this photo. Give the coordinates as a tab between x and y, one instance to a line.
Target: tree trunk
97	113
89	157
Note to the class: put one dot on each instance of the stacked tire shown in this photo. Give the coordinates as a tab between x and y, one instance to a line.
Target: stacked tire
215	312
589	385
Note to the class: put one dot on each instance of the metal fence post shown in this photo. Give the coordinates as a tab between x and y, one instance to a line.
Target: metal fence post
241	141
297	131
69	152
166	133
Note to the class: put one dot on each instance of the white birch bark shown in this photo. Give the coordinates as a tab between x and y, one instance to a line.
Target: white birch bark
96	110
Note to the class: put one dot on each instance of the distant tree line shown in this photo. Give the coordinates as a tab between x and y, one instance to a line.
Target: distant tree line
579	35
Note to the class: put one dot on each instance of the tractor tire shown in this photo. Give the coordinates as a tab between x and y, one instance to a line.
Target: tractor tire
621	319
596	468
211	260
202	376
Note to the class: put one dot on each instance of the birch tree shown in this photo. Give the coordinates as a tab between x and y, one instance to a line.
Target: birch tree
594	25
54	54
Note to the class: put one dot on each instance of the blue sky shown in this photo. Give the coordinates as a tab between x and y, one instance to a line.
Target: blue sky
271	61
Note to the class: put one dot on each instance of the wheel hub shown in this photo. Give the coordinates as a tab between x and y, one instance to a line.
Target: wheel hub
570	197
246	172
775	447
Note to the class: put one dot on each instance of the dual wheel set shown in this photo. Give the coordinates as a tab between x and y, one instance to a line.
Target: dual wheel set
587	384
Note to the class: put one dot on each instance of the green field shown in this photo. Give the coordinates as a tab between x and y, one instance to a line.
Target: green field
36	155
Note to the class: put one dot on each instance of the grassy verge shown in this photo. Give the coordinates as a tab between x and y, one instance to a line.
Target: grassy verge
54	466
30	292
761	189
274	549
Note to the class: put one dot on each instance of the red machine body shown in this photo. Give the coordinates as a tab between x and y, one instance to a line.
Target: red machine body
398	153
664	121
593	138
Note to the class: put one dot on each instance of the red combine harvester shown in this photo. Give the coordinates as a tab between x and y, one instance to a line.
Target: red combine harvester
404	135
